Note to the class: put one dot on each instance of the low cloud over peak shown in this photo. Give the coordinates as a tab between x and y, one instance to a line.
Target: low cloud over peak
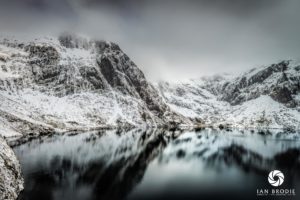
171	39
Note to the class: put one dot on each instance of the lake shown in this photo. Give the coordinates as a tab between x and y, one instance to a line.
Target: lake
160	164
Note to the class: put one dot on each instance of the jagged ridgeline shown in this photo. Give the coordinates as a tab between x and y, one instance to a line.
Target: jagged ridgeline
280	81
74	82
264	97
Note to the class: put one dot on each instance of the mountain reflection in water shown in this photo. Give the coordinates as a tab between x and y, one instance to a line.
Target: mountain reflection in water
157	164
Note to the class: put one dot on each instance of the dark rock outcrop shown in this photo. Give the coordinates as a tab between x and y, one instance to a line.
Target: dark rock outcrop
122	74
11	181
272	81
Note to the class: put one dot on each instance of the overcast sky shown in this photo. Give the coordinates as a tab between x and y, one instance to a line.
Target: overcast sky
171	39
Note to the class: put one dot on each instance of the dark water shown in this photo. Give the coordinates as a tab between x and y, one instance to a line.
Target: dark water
207	164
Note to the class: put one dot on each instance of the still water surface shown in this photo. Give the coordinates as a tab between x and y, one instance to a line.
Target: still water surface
158	164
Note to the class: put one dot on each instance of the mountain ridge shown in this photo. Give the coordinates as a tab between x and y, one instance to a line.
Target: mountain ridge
73	83
268	96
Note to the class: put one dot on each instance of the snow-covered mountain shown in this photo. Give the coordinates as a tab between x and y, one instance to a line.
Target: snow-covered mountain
72	82
262	97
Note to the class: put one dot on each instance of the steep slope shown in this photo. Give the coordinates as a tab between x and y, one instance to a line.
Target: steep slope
266	97
72	83
280	81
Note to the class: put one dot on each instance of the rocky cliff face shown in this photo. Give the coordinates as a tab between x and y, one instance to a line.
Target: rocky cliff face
264	97
72	83
280	81
11	182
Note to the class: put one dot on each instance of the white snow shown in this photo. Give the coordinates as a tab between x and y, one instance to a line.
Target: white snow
87	108
7	75
194	99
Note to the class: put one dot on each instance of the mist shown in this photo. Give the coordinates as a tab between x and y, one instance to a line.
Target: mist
171	40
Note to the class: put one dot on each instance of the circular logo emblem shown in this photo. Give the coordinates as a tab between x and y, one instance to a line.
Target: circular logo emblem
276	178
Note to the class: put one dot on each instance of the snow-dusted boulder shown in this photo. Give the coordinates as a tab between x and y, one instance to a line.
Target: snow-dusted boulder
4	57
11	181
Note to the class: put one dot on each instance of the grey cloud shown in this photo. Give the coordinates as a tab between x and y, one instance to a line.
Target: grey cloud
172	39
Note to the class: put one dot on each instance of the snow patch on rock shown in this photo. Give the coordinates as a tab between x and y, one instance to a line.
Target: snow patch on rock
11	181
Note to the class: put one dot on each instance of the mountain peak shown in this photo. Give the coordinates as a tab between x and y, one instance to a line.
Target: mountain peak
74	82
270	93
